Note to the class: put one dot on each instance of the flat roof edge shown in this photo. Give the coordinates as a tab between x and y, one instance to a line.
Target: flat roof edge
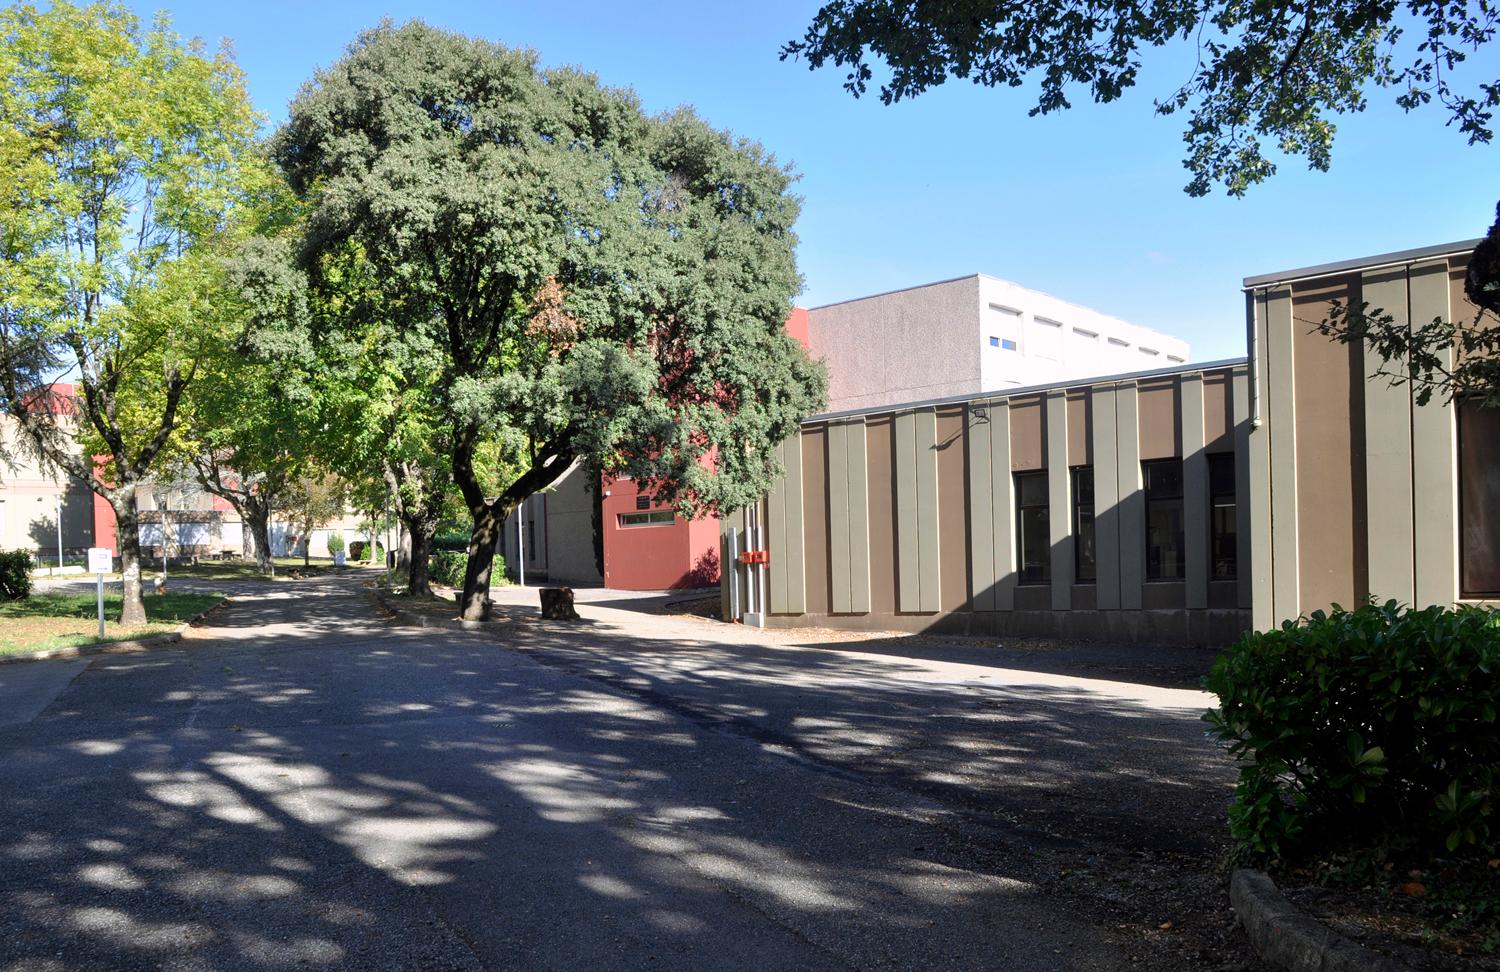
1029	389
1362	263
897	290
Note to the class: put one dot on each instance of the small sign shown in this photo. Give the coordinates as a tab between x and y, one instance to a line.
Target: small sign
101	561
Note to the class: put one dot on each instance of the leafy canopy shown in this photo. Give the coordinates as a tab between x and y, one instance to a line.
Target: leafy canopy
1267	74
601	284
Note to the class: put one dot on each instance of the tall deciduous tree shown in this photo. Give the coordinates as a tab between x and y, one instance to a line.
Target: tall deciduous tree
1266	71
602	284
132	148
253	416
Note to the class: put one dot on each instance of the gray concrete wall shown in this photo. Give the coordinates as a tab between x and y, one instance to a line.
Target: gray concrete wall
900	347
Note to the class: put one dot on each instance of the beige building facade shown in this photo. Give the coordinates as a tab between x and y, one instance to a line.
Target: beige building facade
1184	504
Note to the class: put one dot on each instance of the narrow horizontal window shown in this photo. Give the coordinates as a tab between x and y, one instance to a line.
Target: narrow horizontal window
1007	344
1118	343
1090	335
652	518
1176	360
999	309
1151	351
1047	322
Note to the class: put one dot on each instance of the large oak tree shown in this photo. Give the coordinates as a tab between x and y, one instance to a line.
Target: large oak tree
603	284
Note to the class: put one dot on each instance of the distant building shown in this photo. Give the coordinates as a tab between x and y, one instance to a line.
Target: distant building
969	335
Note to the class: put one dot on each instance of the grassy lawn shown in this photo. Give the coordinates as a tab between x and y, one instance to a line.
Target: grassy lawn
45	621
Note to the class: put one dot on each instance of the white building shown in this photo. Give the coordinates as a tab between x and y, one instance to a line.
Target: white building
968	335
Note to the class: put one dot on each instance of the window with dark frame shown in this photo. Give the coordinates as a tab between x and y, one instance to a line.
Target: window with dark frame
1478	500
1164	539
1033	539
1223	514
642	501
652	518
1085	558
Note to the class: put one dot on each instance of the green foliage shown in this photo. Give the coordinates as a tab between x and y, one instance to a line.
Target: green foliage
129	173
15	574
456	540
1457	359
359	551
1373	727
596	283
1263	70
447	567
335	542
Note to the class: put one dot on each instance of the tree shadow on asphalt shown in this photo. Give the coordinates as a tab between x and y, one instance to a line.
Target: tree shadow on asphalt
232	808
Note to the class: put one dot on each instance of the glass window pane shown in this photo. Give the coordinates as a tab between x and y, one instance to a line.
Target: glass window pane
1033	538
1164	540
1479	498
1224	555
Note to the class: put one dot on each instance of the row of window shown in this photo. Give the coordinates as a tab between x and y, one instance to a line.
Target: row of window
1165	545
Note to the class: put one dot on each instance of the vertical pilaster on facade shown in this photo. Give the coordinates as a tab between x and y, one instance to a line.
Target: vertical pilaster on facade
858	516
1244	524
1132	498
908	552
1195	496
916	511
1259	562
1059	502
982	510
848	518
1434	439
1106	500
1388	453
788	573
838	517
1002	502
927	509
1279	383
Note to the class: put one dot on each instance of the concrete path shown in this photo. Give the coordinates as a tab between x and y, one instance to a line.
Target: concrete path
298	786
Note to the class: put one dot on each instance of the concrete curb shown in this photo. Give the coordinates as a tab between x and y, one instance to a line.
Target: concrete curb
413	619
1286	939
115	647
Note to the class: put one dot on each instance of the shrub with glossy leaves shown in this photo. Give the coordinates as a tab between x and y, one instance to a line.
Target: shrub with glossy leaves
15	575
1373	727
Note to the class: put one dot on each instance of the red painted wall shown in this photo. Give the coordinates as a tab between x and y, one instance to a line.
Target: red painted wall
658	556
106	533
661	557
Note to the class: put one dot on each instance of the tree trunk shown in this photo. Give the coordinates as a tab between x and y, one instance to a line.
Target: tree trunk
128	535
307	546
374	539
258	517
403	549
417	581
489	519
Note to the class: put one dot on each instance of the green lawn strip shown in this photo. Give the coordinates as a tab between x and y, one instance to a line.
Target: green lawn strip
47	621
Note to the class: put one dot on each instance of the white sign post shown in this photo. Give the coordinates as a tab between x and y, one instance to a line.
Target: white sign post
101	562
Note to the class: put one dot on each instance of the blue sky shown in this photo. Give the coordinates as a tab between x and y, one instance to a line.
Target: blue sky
1086	205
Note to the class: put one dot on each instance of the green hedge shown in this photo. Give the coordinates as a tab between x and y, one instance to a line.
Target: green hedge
1374	727
15	575
452	540
359	551
447	567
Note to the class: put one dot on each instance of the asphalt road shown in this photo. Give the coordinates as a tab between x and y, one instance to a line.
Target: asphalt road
300	785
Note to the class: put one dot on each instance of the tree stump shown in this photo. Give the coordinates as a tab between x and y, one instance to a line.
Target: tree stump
557	604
